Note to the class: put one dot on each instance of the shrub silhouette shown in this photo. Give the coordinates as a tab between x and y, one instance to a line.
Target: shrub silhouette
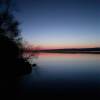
11	48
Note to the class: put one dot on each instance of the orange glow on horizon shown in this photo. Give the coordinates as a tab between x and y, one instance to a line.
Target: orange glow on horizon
71	46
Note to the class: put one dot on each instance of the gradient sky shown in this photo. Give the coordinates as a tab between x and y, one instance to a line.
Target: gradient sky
60	23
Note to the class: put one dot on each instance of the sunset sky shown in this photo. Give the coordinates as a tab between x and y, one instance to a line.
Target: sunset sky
60	23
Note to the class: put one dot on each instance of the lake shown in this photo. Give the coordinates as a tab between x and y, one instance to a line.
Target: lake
63	72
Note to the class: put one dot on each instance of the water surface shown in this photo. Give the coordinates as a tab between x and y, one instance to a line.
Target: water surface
64	70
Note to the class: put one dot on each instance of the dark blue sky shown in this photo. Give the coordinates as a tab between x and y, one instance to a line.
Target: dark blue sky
60	23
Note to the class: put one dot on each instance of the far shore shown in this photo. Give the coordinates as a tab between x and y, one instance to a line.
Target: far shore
74	52
70	50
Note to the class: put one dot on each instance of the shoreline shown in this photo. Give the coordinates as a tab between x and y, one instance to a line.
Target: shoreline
69	52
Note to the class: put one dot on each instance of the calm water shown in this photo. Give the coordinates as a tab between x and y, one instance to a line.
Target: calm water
64	70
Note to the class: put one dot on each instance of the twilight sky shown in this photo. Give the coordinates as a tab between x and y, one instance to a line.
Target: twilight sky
60	23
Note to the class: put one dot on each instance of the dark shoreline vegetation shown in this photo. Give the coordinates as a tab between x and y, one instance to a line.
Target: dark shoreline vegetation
12	48
12	59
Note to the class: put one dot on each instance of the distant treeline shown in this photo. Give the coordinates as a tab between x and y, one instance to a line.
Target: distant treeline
72	50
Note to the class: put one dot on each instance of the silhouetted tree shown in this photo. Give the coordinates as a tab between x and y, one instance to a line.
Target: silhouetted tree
8	24
11	38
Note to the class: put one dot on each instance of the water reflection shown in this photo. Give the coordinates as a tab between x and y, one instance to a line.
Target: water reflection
63	69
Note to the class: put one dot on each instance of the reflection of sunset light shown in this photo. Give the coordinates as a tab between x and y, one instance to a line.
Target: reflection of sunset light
59	54
70	56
